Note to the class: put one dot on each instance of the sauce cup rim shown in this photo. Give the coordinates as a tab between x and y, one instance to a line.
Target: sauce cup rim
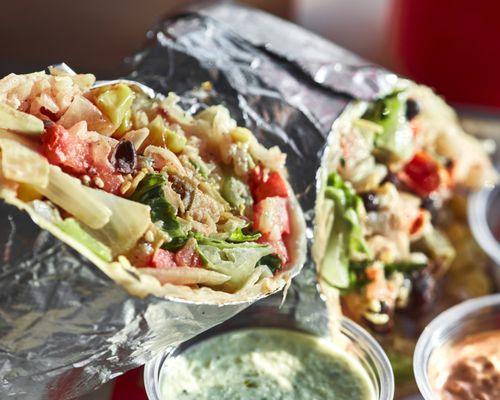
379	359
431	337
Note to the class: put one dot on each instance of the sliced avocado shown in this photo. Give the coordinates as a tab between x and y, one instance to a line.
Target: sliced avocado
18	121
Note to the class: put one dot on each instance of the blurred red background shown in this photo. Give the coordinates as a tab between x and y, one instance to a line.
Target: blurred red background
452	45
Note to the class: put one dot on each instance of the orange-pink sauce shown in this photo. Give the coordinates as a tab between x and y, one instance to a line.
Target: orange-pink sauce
469	369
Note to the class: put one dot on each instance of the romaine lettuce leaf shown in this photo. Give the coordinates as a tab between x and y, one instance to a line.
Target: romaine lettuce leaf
346	236
239	236
397	136
150	192
235	260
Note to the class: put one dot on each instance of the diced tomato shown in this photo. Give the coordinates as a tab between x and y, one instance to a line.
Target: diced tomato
423	174
271	218
263	186
188	257
279	248
111	179
65	149
78	156
163	259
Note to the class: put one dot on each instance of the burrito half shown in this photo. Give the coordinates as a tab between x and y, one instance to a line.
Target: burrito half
164	202
389	171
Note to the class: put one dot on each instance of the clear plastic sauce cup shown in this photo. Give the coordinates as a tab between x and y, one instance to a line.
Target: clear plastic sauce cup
355	340
471	317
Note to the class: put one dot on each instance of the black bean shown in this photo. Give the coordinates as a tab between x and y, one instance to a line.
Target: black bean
124	157
391	177
370	200
412	109
423	291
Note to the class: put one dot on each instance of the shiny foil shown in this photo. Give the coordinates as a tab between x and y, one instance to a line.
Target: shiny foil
65	328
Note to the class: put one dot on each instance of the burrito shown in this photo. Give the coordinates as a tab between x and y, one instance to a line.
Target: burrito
388	173
164	202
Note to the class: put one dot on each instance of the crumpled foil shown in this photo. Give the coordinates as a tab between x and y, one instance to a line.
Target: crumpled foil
65	328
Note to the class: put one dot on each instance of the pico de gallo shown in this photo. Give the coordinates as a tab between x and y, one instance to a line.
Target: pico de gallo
192	200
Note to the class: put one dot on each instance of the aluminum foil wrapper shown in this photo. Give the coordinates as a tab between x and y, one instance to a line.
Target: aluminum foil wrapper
65	328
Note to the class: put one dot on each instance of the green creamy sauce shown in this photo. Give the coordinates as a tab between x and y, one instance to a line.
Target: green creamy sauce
266	364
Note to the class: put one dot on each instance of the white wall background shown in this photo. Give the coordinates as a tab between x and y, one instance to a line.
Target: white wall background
359	25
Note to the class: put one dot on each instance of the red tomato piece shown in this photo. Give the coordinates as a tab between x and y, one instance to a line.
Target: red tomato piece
65	149
262	187
422	174
271	218
102	167
163	259
188	257
78	156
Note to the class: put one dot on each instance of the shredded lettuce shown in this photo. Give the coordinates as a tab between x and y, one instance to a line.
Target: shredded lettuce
222	244
346	235
239	236
72	228
396	137
150	192
235	260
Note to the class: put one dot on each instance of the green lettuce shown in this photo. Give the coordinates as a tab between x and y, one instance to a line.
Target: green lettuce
272	261
238	260
72	228
346	236
239	236
150	192
396	137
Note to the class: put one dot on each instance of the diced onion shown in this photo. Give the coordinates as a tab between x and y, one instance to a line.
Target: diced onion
186	276
164	158
137	137
80	201
82	109
21	162
128	222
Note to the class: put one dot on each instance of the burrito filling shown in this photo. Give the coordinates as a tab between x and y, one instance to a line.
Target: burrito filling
187	199
397	163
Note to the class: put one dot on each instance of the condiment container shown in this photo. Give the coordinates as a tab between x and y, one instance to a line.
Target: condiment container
359	343
484	219
465	319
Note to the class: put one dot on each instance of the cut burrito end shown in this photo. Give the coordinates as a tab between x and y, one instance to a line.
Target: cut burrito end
164	202
389	170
